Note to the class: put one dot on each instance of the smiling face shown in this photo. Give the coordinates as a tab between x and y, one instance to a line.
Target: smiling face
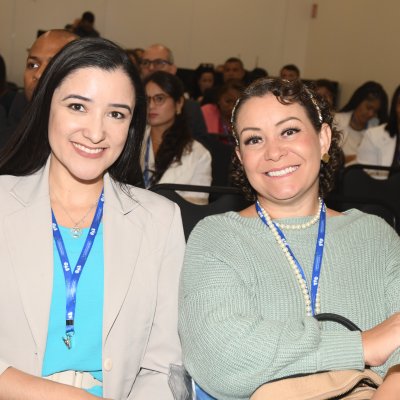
280	150
89	120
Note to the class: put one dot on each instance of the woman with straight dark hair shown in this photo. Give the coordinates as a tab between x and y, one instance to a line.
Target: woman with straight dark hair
381	144
170	154
89	263
367	107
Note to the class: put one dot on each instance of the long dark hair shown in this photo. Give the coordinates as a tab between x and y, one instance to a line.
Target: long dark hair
3	78
318	112
369	91
177	138
29	148
392	127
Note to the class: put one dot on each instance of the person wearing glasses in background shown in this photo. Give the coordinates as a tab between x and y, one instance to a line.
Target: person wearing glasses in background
169	153
158	57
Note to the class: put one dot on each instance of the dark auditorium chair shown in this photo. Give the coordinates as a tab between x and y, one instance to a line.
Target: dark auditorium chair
221	158
224	199
355	182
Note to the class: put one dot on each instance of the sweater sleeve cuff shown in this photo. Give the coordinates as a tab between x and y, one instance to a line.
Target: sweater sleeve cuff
338	351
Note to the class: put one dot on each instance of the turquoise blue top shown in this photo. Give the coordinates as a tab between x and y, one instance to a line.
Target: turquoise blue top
86	351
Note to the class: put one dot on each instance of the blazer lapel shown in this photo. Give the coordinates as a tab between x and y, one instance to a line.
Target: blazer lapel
122	244
30	241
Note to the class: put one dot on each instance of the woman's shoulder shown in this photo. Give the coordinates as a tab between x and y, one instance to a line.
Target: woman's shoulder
342	119
143	199
199	149
224	227
358	224
378	134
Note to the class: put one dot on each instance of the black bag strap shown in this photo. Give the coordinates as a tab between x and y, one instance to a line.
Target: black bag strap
351	326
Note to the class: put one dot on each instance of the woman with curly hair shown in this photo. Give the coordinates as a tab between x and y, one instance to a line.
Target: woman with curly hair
253	281
170	154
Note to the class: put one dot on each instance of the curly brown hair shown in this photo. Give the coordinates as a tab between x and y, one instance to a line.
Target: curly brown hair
318	112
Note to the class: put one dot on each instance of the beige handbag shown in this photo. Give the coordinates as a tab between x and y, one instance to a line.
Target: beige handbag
347	384
343	384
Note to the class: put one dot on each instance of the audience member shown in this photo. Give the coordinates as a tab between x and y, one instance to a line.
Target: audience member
380	144
326	89
170	155
367	107
204	79
251	282
290	72
7	91
135	55
158	57
257	73
85	26
96	314
218	116
43	49
234	69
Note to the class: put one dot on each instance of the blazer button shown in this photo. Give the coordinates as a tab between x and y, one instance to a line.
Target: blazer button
108	364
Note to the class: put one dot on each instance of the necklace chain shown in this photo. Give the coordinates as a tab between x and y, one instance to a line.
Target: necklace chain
302	283
76	230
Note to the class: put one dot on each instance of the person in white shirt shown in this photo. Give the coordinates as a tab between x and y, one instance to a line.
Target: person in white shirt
170	154
367	107
380	145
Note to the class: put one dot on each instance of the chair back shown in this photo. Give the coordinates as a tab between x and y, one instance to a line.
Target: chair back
356	183
224	199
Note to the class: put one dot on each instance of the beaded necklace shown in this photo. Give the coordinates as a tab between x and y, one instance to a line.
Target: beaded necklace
311	299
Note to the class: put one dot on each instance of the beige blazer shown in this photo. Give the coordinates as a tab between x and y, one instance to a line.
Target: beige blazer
143	254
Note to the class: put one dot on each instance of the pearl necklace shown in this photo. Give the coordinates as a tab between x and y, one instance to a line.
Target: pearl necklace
305	225
302	283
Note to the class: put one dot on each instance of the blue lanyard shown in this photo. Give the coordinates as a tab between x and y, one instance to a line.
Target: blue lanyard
146	172
72	278
319	250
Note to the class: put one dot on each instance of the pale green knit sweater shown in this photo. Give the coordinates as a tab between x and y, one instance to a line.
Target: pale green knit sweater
242	314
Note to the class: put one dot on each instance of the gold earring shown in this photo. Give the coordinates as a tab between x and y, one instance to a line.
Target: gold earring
325	158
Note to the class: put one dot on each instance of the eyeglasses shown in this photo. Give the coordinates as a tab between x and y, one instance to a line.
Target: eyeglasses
158	63
158	99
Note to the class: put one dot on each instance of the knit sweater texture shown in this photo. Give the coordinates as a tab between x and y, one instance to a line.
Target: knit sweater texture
242	313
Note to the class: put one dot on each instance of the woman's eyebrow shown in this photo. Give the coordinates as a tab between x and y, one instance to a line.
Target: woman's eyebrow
250	128
286	120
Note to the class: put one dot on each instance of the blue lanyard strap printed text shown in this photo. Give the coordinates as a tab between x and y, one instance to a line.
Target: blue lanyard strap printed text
319	251
72	278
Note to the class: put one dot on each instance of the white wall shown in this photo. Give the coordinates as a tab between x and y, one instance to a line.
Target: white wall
353	41
274	32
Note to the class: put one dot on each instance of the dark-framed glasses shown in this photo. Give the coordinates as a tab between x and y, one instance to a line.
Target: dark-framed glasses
158	63
158	99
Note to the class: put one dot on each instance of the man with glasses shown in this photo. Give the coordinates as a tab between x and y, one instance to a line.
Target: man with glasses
158	57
